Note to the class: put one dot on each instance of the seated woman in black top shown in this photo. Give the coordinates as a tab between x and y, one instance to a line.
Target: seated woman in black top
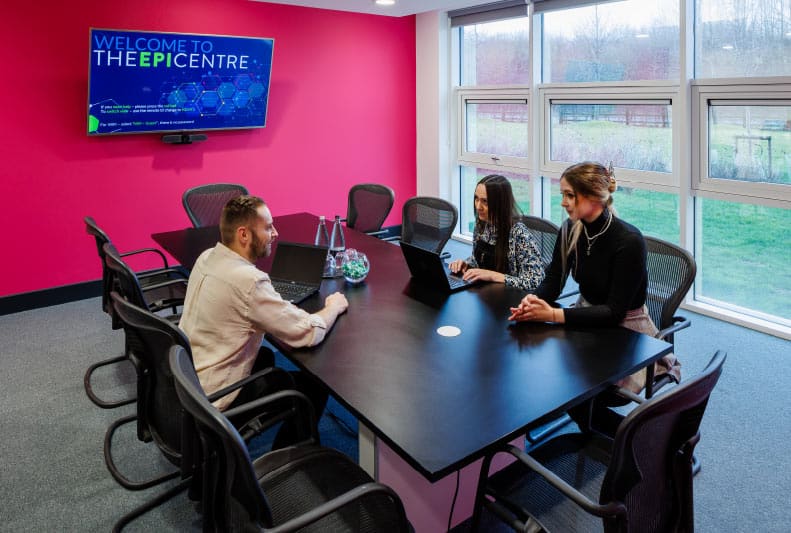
503	249
607	258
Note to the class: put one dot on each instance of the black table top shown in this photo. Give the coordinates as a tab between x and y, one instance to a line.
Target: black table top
442	402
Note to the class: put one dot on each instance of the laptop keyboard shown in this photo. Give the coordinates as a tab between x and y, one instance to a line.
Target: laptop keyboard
456	281
292	291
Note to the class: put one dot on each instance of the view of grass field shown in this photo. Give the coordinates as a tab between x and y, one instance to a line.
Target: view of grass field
750	154
744	251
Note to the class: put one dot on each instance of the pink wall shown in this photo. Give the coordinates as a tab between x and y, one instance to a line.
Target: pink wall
341	111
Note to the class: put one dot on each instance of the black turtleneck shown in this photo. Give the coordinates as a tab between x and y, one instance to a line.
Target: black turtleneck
613	278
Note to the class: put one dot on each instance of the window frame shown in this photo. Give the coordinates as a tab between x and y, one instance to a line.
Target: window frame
750	91
616	93
493	95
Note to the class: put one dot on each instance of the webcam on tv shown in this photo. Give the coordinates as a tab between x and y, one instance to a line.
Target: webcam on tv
183	138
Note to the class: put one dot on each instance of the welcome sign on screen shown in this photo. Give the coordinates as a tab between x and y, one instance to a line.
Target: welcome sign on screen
159	82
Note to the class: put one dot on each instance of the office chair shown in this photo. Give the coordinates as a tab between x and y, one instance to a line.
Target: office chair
150	281
302	486
369	205
159	414
545	232
429	223
204	203
641	481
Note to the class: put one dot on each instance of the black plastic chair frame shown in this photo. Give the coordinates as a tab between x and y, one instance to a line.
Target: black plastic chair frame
221	443
698	389
148	278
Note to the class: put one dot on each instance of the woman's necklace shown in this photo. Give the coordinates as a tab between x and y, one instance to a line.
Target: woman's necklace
591	240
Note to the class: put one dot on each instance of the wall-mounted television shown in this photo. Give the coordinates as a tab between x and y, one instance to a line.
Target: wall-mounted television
176	82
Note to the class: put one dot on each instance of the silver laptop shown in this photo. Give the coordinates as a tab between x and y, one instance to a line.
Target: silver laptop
428	268
297	270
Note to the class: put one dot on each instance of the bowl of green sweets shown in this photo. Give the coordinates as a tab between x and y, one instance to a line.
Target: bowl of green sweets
355	266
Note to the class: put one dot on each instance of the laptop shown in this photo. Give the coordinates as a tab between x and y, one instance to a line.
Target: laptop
428	268
297	269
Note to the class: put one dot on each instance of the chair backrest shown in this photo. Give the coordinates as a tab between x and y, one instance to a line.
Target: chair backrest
651	466
149	338
671	271
428	222
226	459
369	205
545	233
204	203
101	239
122	277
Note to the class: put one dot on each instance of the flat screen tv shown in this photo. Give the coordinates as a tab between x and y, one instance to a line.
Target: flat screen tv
176	82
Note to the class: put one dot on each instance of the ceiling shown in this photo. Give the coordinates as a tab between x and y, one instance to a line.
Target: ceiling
400	9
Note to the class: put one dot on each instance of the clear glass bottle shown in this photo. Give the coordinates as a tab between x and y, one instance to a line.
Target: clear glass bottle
322	237
337	240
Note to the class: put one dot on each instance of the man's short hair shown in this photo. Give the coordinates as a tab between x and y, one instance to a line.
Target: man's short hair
239	211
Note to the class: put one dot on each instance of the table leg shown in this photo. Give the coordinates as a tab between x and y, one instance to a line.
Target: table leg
428	505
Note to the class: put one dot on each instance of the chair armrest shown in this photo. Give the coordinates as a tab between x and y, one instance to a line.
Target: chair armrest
334	504
148	250
178	271
679	322
256	410
249	379
601	510
375	233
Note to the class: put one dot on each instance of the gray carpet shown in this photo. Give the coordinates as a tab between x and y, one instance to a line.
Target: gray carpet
54	477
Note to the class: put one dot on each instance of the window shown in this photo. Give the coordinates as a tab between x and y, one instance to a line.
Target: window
743	144
742	38
692	107
470	176
742	255
494	128
617	41
495	53
653	213
630	125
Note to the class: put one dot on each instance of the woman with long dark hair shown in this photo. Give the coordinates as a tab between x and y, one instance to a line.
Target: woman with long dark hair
503	249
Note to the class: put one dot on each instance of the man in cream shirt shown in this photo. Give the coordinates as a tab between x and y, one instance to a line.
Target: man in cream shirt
230	305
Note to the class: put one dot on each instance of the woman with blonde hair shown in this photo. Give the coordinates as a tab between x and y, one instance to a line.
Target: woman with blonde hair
606	256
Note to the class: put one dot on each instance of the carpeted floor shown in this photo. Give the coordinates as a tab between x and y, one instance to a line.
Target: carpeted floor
54	477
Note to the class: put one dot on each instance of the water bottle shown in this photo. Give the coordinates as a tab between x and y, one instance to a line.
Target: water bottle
322	237
337	241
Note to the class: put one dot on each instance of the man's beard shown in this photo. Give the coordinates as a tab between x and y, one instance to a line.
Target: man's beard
259	249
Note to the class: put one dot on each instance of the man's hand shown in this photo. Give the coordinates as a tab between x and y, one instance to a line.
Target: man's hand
337	301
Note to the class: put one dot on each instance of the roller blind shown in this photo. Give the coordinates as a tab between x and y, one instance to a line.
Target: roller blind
488	12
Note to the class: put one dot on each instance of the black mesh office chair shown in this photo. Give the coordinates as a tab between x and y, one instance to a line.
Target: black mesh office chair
545	232
369	205
640	482
671	272
303	486
159	414
428	222
150	281
204	203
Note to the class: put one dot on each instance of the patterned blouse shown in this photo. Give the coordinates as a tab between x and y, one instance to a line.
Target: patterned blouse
525	270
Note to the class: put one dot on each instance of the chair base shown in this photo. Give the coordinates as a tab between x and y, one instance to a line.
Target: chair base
89	388
115	472
152	504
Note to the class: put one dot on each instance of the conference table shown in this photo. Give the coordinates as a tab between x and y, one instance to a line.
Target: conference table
430	405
